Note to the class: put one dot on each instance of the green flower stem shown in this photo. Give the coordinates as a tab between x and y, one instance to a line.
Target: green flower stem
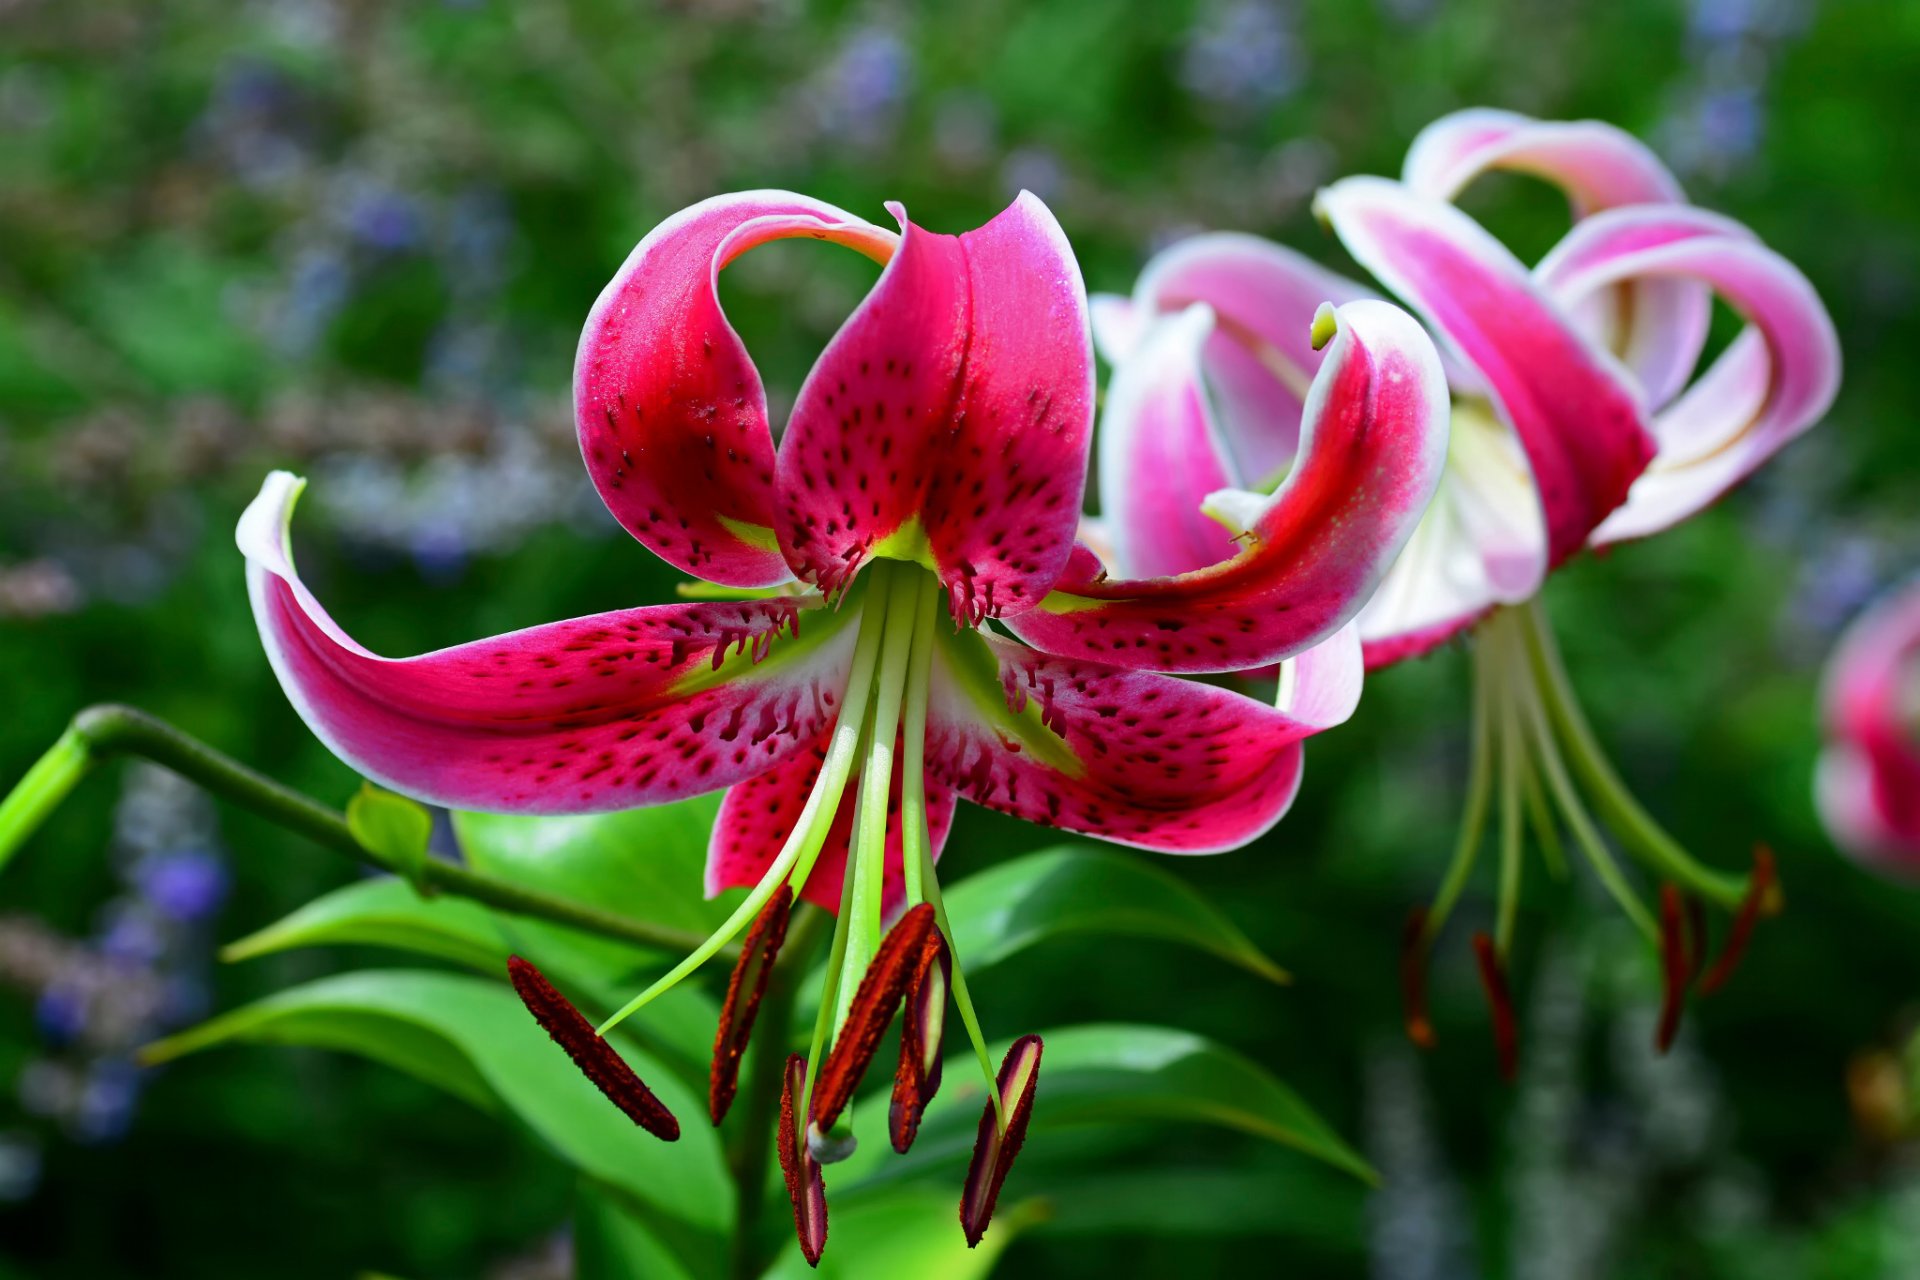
1540	817
747	1154
101	733
1479	786
1617	806
914	837
876	778
1511	748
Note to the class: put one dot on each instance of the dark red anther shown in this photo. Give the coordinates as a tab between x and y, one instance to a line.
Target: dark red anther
881	989
595	1057
1674	967
1506	1033
744	990
1762	897
993	1151
1413	978
1696	937
805	1187
917	1078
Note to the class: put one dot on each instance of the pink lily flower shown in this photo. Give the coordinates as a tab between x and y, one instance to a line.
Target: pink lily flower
934	464
1578	421
1868	782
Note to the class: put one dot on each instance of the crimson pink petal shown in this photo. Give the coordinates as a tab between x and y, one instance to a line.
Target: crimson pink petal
757	816
1868	785
949	420
671	412
605	712
1578	419
1373	445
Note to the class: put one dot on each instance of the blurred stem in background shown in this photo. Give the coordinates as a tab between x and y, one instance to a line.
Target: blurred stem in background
101	733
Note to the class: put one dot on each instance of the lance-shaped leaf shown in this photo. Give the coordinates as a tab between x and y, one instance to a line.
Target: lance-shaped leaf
922	1032
806	1187
1373	443
950	418
670	409
893	968
995	1147
604	712
745	987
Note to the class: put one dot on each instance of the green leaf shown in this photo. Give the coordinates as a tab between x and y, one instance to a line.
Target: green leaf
386	912
1102	1074
903	1231
393	829
611	1242
1079	889
473	1038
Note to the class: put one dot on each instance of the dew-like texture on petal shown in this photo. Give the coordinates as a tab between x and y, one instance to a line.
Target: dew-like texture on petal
1372	447
1574	410
758	814
1133	757
1259	358
1868	784
1774	382
949	419
610	711
671	412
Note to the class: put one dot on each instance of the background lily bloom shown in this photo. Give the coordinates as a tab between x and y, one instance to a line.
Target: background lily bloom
1868	783
934	462
1578	420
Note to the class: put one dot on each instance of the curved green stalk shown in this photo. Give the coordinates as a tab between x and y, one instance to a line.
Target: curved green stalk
1479	786
1511	747
961	999
915	839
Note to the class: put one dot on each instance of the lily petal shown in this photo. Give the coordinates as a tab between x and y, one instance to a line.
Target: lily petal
949	420
610	711
1373	443
1598	165
1132	757
670	409
1762	392
1868	784
757	816
1576	415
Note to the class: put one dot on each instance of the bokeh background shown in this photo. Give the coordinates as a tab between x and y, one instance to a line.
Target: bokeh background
357	238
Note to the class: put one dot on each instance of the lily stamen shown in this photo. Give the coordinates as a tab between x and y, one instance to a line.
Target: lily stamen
596	1058
1675	966
899	958
746	986
1763	898
1493	976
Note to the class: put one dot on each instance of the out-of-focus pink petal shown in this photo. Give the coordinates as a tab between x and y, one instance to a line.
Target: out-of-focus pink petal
1259	360
1117	325
757	817
670	410
610	711
1868	785
1481	544
1161	454
1760	394
1575	414
1656	327
949	420
1133	757
1372	448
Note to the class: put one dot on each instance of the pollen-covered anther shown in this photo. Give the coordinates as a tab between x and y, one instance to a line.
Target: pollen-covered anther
594	1056
1506	1031
1413	979
744	991
917	1078
1763	898
881	990
1676	969
993	1150
806	1188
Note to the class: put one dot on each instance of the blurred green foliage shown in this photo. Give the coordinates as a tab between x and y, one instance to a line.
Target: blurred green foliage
358	238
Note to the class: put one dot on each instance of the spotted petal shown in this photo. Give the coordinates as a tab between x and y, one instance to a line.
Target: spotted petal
604	712
949	420
1373	442
1133	757
757	816
1576	415
1774	382
671	412
1868	785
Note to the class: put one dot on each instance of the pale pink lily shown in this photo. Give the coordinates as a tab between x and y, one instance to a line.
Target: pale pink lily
1868	781
933	465
1577	421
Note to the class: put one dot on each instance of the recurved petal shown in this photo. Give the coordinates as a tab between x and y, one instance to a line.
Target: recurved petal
949	420
1774	382
1868	784
1597	165
757	815
670	409
1372	447
1133	757
604	712
1578	418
